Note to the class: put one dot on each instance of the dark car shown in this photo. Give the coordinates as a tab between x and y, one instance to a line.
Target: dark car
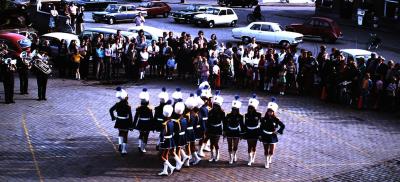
318	27
242	3
155	8
117	12
93	5
16	43
187	14
19	4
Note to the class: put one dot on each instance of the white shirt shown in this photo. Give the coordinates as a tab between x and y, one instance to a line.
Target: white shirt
215	69
144	56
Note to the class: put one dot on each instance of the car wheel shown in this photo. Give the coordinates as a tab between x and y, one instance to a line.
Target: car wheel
284	43
246	40
111	21
233	23
211	24
166	14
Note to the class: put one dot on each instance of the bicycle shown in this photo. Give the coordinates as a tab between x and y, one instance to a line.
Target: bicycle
252	18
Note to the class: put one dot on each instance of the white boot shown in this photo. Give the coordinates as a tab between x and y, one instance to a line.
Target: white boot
230	158
164	172
267	161
253	157
120	141
270	159
201	153
184	157
196	158
216	157
211	156
178	164
143	147
234	156
207	147
250	158
124	149
171	167
140	145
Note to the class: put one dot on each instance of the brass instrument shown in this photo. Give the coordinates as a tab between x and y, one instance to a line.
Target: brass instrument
26	59
41	63
11	64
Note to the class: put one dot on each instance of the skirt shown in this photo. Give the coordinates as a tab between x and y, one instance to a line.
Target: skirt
180	139
232	133
199	133
168	143
144	126
122	124
214	131
251	134
190	135
269	138
143	64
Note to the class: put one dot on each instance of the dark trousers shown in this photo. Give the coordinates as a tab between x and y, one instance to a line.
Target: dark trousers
8	82
23	81
42	84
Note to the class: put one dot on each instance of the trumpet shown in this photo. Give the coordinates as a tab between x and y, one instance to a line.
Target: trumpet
26	59
11	64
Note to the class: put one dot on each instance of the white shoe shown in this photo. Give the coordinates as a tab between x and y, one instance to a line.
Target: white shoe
234	157
171	167
124	149
211	157
184	158
196	158
143	147
186	163
207	147
216	156
140	144
250	157
253	158
164	172
270	159
267	161
178	164
230	158
201	153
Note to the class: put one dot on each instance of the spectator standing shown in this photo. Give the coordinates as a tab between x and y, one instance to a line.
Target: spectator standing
80	21
108	51
139	20
53	18
100	61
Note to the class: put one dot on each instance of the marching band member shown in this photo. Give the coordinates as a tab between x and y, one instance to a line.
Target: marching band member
252	125
216	116
167	142
179	134
206	92
198	129
232	128
192	120
123	119
203	118
43	56
268	131
7	71
23	69
158	113
142	119
177	97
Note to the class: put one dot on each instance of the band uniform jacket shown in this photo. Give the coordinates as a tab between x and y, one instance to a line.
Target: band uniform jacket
158	117
167	132
268	128
143	118
180	131
233	125
124	115
215	121
192	120
251	125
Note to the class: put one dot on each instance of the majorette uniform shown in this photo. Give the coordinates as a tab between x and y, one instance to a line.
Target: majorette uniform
233	126
143	119
167	141
158	113
216	116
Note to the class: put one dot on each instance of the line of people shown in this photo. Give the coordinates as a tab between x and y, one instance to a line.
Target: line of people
198	119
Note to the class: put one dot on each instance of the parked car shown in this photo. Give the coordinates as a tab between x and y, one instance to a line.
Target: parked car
187	14
151	33
320	27
216	16
16	43
55	40
155	8
92	32
356	53
117	12
93	5
267	32
242	3
19	4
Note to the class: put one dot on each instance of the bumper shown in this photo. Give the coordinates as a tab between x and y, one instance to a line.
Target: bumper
99	18
200	21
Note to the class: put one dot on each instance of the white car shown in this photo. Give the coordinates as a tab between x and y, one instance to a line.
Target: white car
267	32
216	16
55	40
151	33
356	53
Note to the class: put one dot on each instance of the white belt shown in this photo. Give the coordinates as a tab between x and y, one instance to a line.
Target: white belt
160	119
217	125
234	128
182	133
268	132
198	126
168	136
204	118
120	117
144	119
252	128
190	128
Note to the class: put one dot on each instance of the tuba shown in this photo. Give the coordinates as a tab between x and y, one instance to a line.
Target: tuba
41	63
26	59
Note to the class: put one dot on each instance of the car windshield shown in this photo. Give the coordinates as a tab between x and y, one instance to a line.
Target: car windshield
24	43
191	8
112	8
145	5
212	11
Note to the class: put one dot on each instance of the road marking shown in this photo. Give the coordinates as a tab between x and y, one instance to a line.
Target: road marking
102	130
31	149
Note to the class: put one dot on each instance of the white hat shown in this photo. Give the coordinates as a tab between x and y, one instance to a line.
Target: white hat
191	102
204	85
236	103
177	94
273	105
199	101
168	110
121	93
253	101
179	108
144	95
163	95
218	99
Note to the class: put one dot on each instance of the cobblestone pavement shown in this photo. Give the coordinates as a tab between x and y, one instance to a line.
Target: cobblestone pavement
70	137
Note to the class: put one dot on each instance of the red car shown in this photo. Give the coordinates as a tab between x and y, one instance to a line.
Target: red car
320	27
155	8
16	43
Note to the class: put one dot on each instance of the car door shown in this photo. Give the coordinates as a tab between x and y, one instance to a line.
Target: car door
267	34
221	18
254	31
230	15
130	12
121	14
158	8
307	27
